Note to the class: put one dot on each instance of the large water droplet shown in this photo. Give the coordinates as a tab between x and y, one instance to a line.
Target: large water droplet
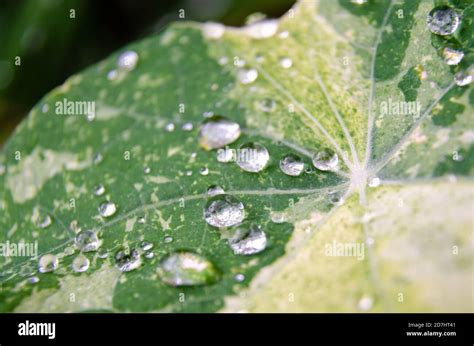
224	211
45	222
107	209
292	165
218	131
325	160
247	76
187	269
442	20
252	157
48	263
248	240
128	260
80	263
87	241
127	60
212	30
452	56
215	190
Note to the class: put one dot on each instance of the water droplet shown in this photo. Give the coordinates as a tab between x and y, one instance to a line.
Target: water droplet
452	56
223	60
45	222
187	269
442	20
112	75
218	131
189	173
262	29
292	165
99	190
336	198
127	60
374	182
359	2
247	76
87	241
365	303
204	171
48	263
168	239
170	127
149	255
45	108
248	240
187	127
286	62
107	209
239	277
141	220
224	211
213	31
102	253
128	260
147	170
284	34
252	157
463	78
80	263
97	159
146	246
70	250
214	190
277	217
267	105
325	160
33	280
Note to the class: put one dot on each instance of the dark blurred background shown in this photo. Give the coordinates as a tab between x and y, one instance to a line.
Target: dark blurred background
53	46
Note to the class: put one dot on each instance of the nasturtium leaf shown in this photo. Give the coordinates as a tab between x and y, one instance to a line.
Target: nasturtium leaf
389	228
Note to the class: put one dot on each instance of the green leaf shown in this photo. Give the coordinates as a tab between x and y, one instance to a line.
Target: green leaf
353	67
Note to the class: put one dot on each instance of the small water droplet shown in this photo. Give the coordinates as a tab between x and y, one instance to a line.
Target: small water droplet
463	78
359	2
204	171
97	159
141	220
284	34
252	157
442	20
45	222
267	105
147	170
187	127
48	263
248	240
336	198
99	190
218	131
107	209
277	217
365	303
292	165
239	277
128	260
168	239
149	255
170	127
80	264
127	60
325	160
213	31
87	241
247	76
374	181
189	173
112	75
33	280
262	29
223	60
146	246
224	211
239	62
452	56
214	190
45	108
286	62
185	268
70	250
102	253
